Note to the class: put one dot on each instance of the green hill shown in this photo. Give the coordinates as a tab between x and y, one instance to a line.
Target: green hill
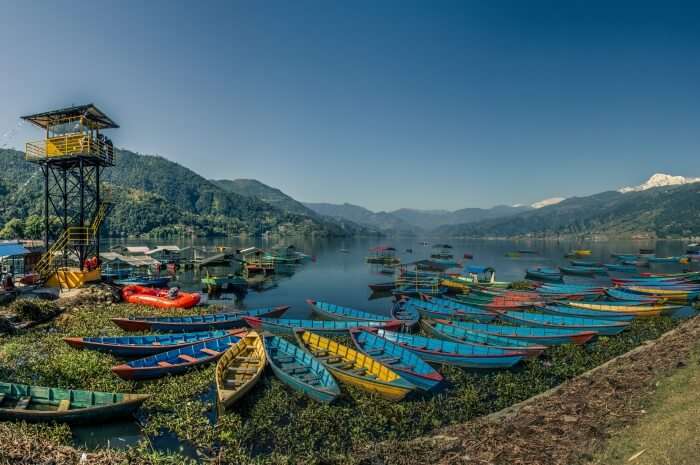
270	195
663	212
155	196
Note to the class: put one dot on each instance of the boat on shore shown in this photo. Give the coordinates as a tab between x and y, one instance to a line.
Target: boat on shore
338	312
355	368
239	369
159	298
299	370
37	403
330	327
190	323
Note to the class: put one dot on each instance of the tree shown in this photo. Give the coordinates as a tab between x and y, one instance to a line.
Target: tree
13	229
34	227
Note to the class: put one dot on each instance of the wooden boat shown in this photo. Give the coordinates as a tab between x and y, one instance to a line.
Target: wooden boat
340	313
621	268
531	334
430	309
586	263
636	310
353	367
150	344
583	270
37	403
404	362
543	274
445	329
196	322
639	299
443	352
582	252
602	327
238	369
663	259
406	314
287	326
382	287
563	310
299	370
175	361
624	256
158	297
672	295
145	281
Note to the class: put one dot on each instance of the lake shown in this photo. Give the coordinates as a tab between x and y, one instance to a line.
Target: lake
343	278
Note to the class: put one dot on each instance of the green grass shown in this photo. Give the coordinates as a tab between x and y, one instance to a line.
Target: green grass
667	434
274	424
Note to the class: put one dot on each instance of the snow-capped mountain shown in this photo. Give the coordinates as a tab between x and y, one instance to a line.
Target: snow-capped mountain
547	202
659	180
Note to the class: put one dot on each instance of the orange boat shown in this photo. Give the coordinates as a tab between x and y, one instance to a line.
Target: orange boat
159	298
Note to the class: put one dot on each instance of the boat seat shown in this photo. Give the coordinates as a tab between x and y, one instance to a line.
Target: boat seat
389	360
187	358
346	366
290	368
164	364
23	403
358	371
248	359
63	405
320	353
241	370
374	352
285	359
209	351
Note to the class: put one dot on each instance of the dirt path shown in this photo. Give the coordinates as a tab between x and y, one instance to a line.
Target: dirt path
561	427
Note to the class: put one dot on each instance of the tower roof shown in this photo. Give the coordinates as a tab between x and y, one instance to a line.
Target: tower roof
89	111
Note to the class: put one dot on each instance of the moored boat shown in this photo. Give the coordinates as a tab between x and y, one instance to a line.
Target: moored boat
603	327
637	310
238	369
406	363
341	313
543	274
196	322
353	367
406	314
37	403
442	352
175	361
149	344
564	310
382	287
532	334
299	370
434	309
287	325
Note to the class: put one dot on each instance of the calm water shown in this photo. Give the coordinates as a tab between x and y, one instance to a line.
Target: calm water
342	278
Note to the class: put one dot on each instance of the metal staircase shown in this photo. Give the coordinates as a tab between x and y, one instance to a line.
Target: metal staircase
74	236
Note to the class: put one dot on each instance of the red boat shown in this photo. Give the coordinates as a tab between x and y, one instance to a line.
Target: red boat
159	298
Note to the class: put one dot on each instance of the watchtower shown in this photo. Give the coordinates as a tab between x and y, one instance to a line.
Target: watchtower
72	157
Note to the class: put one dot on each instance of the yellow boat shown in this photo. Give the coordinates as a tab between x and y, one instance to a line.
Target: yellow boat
582	252
672	295
238	369
637	310
353	367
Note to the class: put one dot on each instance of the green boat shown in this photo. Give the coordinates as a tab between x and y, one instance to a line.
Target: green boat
225	282
37	403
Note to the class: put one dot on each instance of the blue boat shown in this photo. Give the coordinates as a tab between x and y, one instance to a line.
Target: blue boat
585	263
621	268
444	329
432	309
663	259
299	370
338	312
534	335
453	353
141	346
636	299
623	256
604	327
562	310
582	270
543	274
195	322
325	327
404	362
406	314
145	281
175	361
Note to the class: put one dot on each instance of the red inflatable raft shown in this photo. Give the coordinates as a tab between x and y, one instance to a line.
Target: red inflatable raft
159	298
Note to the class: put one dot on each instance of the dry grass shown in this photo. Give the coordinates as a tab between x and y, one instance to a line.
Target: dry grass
668	433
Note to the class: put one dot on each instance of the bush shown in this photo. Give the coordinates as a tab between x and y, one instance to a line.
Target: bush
33	310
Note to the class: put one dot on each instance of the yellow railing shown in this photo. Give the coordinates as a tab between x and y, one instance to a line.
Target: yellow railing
68	146
73	236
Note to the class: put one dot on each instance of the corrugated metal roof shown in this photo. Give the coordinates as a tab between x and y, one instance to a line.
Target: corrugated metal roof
8	249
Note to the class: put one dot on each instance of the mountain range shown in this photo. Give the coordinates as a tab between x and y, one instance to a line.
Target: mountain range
155	196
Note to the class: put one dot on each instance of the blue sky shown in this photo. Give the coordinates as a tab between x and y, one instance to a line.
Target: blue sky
383	104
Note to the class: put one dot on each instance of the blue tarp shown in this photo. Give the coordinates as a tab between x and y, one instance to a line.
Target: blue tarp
9	249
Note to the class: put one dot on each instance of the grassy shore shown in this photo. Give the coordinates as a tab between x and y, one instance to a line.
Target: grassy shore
274	425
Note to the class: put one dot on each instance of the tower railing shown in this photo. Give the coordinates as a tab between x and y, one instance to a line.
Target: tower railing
69	145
